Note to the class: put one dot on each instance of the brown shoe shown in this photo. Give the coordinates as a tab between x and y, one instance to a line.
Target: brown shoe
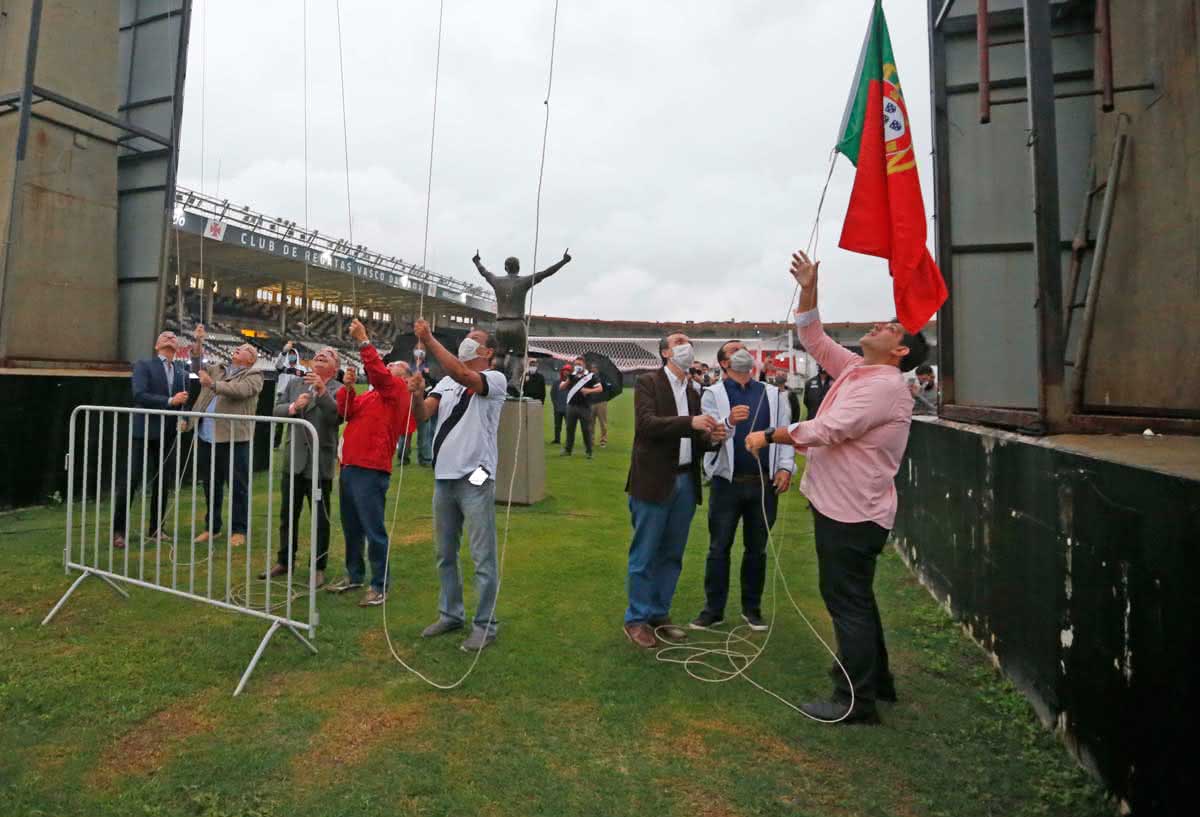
237	540
276	571
641	635
668	632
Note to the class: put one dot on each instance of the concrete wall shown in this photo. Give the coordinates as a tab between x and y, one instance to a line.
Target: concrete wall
1148	323
62	261
1077	575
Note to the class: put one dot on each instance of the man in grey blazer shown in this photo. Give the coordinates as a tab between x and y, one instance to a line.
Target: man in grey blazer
311	398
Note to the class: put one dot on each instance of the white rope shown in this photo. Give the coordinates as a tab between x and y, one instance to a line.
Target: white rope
737	649
437	74
346	154
503	549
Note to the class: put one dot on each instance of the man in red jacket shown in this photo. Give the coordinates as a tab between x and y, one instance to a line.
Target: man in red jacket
375	421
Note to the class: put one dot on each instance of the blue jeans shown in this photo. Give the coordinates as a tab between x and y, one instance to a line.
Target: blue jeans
363	498
456	501
425	442
660	533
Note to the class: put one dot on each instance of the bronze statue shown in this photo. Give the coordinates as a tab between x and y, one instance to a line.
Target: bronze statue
511	292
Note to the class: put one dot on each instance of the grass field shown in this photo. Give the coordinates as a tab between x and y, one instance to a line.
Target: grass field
125	708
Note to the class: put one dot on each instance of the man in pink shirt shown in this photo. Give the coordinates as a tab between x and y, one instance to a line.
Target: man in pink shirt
854	445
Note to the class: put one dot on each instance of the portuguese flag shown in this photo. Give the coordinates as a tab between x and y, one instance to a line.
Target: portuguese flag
886	217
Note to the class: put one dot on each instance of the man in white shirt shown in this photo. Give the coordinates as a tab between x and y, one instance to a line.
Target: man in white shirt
467	404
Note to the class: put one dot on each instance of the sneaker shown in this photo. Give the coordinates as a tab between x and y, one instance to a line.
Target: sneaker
342	585
589	455
706	620
664	630
754	621
478	639
373	598
275	571
604	443
565	453
441	627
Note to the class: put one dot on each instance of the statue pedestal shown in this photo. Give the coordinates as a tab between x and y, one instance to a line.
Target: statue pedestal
530	460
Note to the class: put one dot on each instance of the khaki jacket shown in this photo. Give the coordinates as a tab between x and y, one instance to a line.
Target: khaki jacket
236	393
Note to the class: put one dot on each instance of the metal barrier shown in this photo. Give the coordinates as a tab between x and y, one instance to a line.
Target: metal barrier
174	565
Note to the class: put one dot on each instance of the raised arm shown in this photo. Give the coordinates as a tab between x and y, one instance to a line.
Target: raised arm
487	276
831	355
538	277
451	365
377	372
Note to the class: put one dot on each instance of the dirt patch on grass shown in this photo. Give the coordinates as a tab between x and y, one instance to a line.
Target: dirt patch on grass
359	724
151	744
678	741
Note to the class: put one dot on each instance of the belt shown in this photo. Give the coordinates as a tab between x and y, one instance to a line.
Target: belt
747	479
683	469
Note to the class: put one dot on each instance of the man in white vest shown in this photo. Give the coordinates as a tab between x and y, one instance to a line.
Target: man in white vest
745	486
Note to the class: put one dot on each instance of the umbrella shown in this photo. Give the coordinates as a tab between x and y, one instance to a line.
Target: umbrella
609	372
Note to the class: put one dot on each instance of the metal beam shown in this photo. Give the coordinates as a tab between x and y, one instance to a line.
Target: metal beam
101	116
1043	159
944	237
14	211
941	16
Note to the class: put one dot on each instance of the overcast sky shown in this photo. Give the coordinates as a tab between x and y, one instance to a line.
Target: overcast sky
689	139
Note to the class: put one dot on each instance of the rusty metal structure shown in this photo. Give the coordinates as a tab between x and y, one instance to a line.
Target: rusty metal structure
1065	120
1053	505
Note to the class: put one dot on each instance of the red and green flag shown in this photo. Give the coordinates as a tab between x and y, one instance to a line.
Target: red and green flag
886	216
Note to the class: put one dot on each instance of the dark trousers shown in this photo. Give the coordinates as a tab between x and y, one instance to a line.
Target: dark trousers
581	416
214	460
150	448
363	500
731	503
559	417
846	556
303	486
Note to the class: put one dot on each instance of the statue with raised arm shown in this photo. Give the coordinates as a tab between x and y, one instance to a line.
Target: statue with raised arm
511	293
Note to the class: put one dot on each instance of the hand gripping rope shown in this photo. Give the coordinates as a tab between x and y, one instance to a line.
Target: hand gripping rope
719	660
524	361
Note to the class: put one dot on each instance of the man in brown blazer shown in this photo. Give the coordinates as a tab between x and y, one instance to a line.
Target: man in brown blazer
231	389
670	435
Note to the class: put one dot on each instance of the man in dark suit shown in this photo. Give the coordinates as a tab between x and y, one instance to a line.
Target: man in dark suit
158	382
670	434
535	384
814	392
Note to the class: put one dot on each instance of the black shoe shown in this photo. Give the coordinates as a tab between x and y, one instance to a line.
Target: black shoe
885	690
706	620
832	711
555	442
754	621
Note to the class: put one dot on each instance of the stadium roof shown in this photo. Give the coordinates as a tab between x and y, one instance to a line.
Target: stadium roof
247	249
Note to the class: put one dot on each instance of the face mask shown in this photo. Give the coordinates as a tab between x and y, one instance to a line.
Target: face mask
468	350
419	354
741	361
683	355
578	370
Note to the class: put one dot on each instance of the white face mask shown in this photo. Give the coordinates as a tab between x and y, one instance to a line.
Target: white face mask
468	350
741	361
419	354
683	355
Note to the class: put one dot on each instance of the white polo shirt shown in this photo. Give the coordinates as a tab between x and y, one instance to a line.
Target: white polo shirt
467	426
